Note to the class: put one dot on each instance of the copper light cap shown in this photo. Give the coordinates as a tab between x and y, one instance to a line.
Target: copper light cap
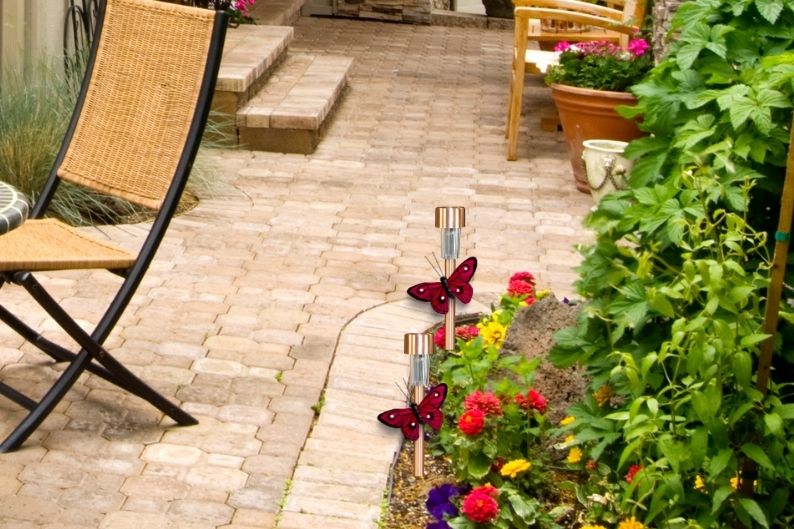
418	343
451	217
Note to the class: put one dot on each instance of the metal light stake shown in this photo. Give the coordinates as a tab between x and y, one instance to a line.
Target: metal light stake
418	347
450	220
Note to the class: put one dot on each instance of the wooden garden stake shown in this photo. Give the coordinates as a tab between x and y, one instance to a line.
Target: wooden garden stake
450	220
778	271
773	297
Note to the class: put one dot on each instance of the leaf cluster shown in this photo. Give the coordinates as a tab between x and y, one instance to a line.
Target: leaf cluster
675	281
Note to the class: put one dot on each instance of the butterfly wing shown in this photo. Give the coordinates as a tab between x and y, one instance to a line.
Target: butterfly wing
459	281
430	407
432	292
404	419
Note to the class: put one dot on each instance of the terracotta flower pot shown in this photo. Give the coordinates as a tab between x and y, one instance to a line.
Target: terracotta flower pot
587	114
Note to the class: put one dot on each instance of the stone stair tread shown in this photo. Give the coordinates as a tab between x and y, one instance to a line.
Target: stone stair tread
299	94
249	51
276	12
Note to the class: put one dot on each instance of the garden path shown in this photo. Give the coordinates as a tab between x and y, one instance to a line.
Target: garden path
241	312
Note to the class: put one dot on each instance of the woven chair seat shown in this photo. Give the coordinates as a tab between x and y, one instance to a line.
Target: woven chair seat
48	244
134	134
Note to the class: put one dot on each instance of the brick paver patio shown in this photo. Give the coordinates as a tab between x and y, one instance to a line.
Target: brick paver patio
240	314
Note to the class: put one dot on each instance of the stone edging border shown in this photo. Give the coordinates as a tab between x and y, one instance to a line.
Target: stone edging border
344	466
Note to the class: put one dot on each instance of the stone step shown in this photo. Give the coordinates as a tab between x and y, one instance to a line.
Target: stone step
276	12
288	114
249	55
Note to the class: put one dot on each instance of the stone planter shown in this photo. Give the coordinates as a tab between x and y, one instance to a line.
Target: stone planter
587	114
605	166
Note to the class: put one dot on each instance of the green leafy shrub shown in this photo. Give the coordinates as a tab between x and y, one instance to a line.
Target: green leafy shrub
675	284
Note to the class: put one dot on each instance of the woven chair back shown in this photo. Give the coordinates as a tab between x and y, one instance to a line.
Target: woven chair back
140	100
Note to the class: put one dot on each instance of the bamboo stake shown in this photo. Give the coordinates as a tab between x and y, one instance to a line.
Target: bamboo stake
773	296
778	271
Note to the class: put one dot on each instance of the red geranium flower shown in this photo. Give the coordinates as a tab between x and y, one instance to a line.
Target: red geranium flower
486	402
464	332
472	422
633	469
518	288
533	401
467	332
537	401
439	337
526	277
480	504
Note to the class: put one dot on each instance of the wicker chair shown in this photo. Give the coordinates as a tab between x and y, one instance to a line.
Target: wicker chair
575	21
134	134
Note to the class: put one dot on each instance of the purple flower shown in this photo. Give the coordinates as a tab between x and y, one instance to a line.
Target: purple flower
563	45
440	524
638	47
439	503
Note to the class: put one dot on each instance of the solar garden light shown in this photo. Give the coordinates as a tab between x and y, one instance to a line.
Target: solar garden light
418	347
450	220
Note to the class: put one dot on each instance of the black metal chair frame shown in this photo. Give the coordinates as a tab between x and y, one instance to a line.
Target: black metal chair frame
92	356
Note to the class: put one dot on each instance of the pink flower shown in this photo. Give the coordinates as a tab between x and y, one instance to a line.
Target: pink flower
486	402
242	5
563	45
472	422
638	47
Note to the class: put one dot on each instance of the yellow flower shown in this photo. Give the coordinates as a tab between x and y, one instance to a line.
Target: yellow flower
588	526
574	455
540	294
493	333
735	482
631	523
515	467
699	483
566	421
603	395
570	439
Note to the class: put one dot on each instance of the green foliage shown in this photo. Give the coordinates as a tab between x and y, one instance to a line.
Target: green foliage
676	278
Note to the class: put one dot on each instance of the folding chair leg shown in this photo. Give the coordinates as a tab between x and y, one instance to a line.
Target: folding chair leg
46	404
119	374
23	400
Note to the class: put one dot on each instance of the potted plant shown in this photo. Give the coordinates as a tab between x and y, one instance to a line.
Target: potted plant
590	81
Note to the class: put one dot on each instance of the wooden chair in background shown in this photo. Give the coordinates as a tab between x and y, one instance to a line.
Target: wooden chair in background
547	22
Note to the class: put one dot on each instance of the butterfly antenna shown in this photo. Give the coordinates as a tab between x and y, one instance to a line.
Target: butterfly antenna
432	265
405	394
439	268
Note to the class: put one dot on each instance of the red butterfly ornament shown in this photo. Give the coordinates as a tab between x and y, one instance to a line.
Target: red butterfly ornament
457	286
411	419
